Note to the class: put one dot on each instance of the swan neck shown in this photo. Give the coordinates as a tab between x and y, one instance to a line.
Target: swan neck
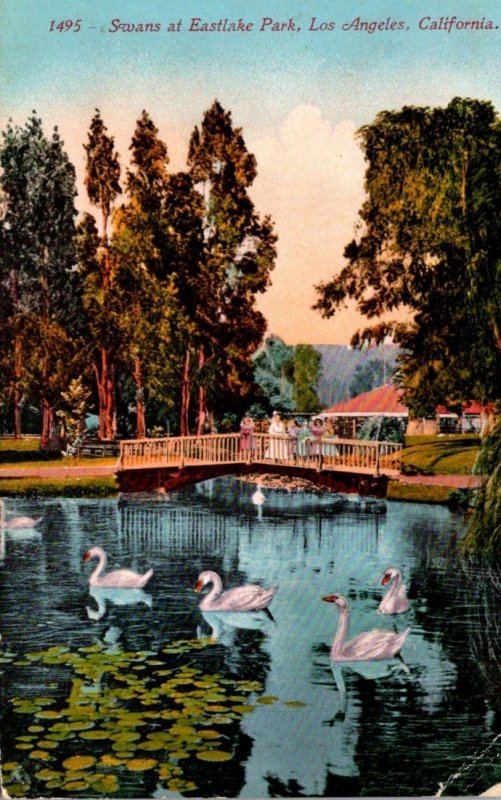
100	566
217	588
395	586
341	633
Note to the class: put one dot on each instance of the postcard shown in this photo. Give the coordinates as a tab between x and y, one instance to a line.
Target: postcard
214	579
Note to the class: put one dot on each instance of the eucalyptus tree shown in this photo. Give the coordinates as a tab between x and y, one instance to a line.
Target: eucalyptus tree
102	181
431	245
238	256
40	287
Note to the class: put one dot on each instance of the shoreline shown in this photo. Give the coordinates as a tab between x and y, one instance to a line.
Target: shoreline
99	481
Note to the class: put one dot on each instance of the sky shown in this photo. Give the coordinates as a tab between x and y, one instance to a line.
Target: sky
300	80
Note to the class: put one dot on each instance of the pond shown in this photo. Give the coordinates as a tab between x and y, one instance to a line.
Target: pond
137	693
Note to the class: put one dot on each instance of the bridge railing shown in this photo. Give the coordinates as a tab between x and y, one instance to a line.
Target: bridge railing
265	448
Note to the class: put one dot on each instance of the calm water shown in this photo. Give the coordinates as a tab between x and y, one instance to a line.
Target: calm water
263	695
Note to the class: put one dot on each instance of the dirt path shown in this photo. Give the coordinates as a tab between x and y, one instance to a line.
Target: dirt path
58	472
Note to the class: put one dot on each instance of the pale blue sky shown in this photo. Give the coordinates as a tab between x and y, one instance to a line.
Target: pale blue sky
264	78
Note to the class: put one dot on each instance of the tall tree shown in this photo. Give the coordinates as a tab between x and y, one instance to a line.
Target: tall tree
102	181
38	185
138	255
239	253
431	244
273	373
306	372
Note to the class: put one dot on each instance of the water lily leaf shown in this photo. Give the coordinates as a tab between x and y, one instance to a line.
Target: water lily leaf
10	766
180	785
48	774
294	703
36	728
123	747
179	754
214	755
141	764
99	734
23	663
23	746
18	789
151	746
42	754
243	709
107	784
44	701
267	700
48	744
216	709
209	734
79	762
25	738
125	736
27	707
107	760
48	714
221	719
125	754
75	786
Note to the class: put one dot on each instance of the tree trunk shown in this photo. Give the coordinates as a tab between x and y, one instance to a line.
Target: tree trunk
105	382
202	396
140	409
18	371
47	423
185	396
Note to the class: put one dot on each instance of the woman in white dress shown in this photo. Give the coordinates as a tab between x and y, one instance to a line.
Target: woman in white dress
277	447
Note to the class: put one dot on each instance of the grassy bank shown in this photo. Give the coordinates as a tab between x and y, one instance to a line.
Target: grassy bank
416	493
440	455
59	487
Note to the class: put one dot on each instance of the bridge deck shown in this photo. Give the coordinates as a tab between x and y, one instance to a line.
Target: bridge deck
333	455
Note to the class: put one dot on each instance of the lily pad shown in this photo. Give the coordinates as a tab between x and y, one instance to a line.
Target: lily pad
294	703
214	755
76	786
210	734
44	755
79	762
18	789
107	760
99	734
242	709
267	700
48	774
141	764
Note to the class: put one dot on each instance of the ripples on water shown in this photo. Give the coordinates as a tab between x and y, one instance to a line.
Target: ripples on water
374	729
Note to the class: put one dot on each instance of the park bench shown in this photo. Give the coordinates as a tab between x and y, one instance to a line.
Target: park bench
93	447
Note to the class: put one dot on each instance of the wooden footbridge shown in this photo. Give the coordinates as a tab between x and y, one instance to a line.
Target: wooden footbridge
337	465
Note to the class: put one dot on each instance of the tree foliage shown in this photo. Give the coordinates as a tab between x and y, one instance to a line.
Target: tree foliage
41	301
430	244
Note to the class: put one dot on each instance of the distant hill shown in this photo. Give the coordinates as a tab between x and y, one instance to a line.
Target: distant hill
339	363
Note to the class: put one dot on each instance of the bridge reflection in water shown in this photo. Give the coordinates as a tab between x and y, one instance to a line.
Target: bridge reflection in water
342	465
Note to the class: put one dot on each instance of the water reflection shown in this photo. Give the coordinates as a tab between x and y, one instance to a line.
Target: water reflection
118	597
442	701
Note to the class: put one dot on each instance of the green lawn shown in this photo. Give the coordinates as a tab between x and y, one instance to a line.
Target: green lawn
440	455
85	461
59	487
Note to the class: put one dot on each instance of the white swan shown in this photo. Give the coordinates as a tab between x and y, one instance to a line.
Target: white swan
16	522
243	598
367	646
258	497
396	600
119	578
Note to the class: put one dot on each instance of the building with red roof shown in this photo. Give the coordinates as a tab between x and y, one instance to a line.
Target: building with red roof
388	401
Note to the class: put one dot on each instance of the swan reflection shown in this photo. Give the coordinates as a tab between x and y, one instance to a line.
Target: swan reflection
118	597
368	670
223	624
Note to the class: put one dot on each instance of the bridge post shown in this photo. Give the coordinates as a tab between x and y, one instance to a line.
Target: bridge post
378	445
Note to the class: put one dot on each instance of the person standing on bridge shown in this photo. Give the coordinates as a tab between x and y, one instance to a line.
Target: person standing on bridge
276	429
247	440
